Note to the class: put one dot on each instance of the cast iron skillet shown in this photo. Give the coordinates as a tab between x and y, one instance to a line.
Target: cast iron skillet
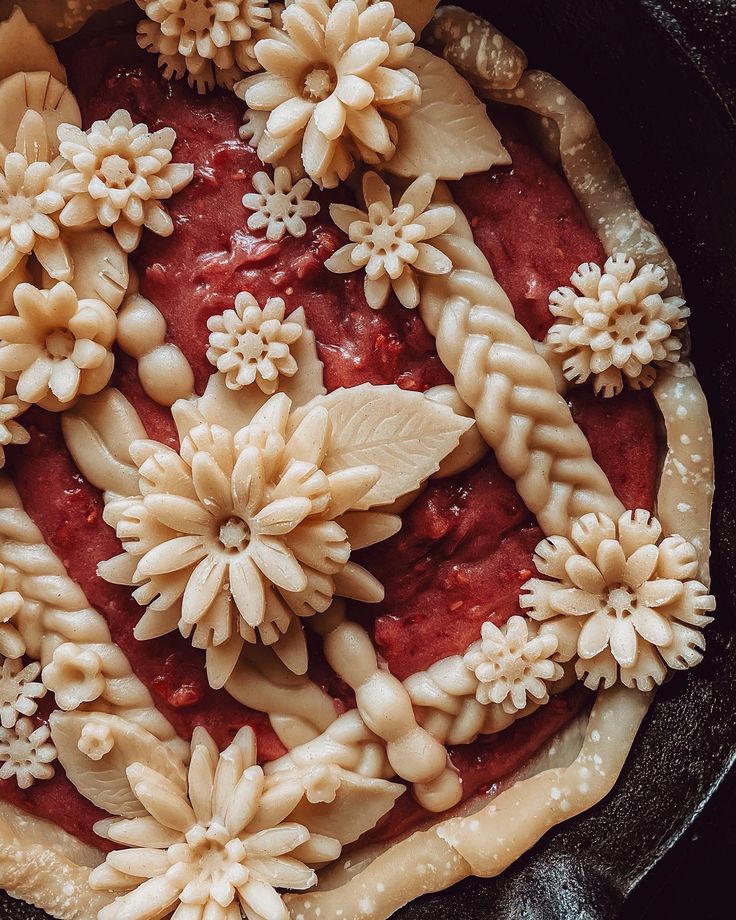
659	75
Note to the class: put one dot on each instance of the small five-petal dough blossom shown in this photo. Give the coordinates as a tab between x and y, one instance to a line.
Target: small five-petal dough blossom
620	599
390	242
11	431
238	533
220	846
279	204
26	753
616	326
335	83
28	199
19	690
250	344
74	675
11	604
119	173
210	40
512	665
58	347
96	740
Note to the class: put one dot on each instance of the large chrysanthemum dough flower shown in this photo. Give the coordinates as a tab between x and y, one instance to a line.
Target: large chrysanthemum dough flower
119	174
513	664
29	204
250	344
57	347
389	242
236	536
211	41
225	838
622	601
615	325
335	83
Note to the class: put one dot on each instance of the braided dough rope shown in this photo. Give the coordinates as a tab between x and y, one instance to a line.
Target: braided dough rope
56	611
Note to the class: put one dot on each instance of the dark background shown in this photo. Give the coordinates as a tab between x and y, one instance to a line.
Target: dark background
660	77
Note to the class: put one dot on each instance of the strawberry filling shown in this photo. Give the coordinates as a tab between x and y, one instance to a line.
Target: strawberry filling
467	542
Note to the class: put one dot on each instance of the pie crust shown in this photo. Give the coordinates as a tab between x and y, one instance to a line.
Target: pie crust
268	398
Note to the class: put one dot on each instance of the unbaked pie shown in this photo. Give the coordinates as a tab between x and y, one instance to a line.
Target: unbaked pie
356	484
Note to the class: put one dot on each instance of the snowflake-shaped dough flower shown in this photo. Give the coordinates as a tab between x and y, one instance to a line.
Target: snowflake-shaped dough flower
615	325
57	347
512	665
390	242
119	174
335	83
26	753
279	205
250	344
621	600
19	690
209	40
11	431
212	847
29	199
11	604
238	533
74	675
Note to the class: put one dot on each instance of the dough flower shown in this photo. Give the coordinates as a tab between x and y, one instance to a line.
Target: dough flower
390	241
250	344
239	533
57	346
279	205
19	690
26	753
29	199
11	431
335	83
96	740
209	41
622	600
615	326
74	675
210	847
119	174
511	665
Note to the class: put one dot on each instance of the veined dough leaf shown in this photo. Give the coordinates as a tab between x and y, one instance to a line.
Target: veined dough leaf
403	433
351	805
98	432
417	13
100	266
23	48
449	134
104	782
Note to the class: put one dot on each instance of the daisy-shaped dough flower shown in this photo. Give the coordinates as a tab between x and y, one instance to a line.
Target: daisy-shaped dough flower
74	675
512	665
391	242
622	600
11	604
240	533
26	753
209	40
19	690
335	83
57	347
250	344
29	201
11	431
213	846
119	174
279	204
615	325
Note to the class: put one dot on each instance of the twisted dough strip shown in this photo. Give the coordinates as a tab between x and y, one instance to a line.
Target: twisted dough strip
386	709
512	390
56	611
